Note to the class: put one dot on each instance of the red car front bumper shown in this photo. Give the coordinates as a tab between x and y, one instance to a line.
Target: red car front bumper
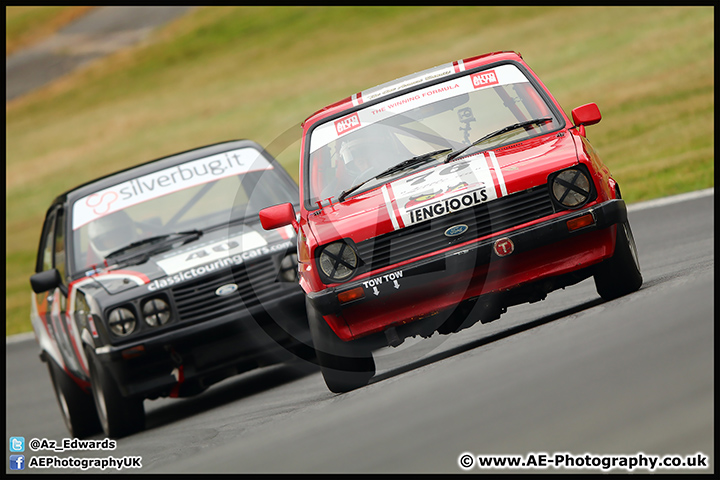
543	258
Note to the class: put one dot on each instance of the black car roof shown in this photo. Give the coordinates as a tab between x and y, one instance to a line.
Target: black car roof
158	164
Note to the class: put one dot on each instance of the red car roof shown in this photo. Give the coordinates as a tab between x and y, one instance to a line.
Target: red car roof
412	79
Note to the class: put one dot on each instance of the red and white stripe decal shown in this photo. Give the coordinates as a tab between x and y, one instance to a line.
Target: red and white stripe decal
498	173
390	209
357	99
459	66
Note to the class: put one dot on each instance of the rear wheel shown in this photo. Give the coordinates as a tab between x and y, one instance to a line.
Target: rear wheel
345	366
77	406
119	416
620	274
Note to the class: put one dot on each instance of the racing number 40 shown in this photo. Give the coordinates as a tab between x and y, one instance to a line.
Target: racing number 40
220	247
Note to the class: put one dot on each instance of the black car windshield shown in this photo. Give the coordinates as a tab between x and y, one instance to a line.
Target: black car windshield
199	195
347	151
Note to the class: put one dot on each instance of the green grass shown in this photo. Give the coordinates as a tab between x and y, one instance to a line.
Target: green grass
256	72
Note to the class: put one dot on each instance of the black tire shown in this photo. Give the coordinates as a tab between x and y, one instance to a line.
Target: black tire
76	405
119	416
620	274
345	366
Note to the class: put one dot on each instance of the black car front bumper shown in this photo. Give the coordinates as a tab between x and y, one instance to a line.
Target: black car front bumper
195	356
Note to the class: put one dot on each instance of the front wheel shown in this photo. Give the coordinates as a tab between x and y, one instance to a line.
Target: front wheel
345	366
119	416
77	406
620	274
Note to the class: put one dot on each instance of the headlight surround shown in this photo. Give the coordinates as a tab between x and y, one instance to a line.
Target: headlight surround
571	188
338	261
122	322
156	312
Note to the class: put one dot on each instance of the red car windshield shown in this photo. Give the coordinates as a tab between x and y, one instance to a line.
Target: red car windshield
451	115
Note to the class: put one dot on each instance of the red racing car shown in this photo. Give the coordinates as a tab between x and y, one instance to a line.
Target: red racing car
442	198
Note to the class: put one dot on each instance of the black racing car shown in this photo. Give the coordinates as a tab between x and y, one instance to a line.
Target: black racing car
158	281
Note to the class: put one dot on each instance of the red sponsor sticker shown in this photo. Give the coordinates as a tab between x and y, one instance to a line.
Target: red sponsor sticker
483	79
346	124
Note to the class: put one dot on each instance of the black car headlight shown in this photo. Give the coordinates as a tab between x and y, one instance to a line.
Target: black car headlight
156	312
338	261
122	322
571	188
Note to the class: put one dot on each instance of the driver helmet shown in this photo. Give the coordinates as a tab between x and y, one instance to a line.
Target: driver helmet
371	149
111	232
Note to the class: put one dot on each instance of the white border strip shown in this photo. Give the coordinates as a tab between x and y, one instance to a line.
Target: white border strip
659	202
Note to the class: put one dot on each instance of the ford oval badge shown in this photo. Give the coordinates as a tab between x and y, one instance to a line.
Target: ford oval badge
226	289
456	230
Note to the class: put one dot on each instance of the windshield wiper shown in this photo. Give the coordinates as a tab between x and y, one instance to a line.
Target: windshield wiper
157	242
509	128
405	164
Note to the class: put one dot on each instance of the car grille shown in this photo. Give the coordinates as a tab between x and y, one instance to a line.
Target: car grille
427	237
196	301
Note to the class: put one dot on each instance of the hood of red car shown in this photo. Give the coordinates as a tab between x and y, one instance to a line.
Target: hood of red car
441	189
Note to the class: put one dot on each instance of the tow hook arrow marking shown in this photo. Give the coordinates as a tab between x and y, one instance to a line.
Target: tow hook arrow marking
397	285
376	291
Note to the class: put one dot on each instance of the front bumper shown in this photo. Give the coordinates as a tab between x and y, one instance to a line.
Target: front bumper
452	276
198	355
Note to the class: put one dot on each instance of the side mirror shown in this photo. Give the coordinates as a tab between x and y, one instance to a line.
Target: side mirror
278	216
588	114
45	281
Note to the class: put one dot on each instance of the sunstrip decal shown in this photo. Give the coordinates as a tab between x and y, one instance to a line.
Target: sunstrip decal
408	81
167	181
442	190
498	172
388	206
331	131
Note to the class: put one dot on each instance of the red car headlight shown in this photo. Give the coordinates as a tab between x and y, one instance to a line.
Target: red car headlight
338	261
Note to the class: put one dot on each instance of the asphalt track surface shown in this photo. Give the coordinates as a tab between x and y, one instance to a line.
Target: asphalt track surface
571	374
